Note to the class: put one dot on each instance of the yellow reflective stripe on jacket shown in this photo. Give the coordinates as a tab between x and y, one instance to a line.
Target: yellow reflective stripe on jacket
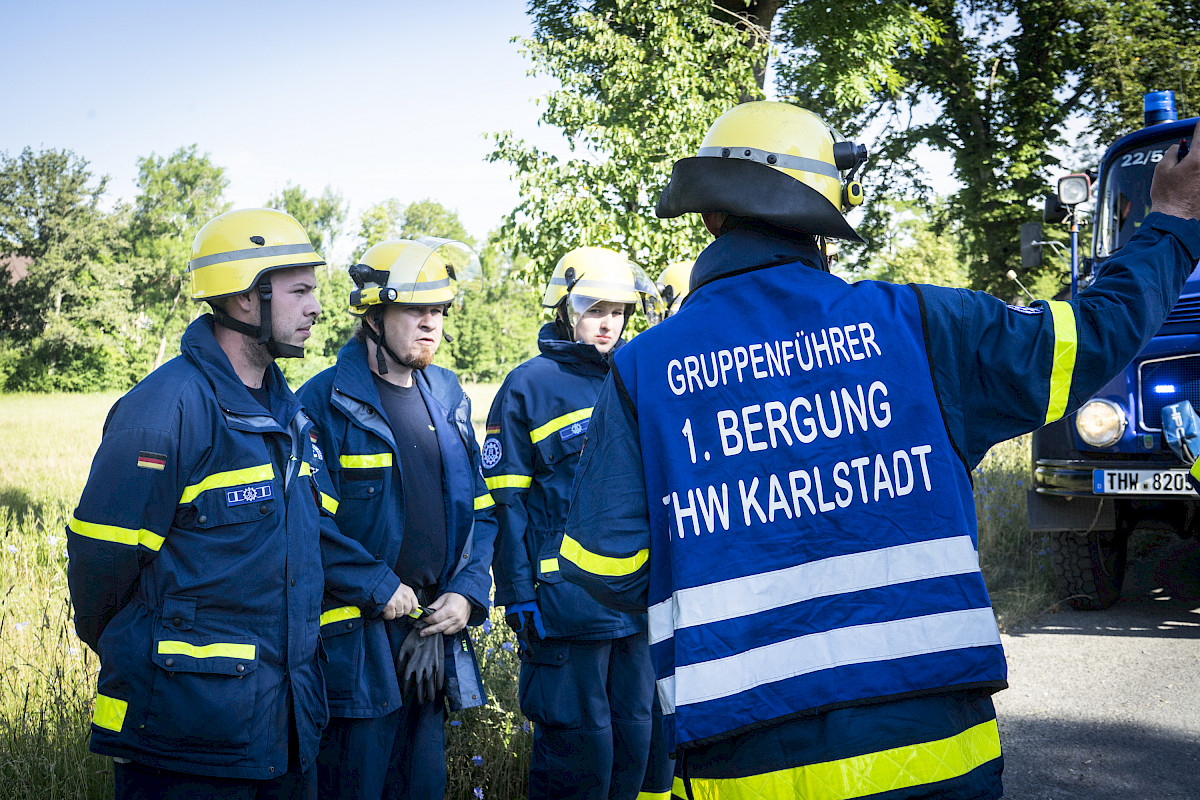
484	501
224	480
678	789
109	713
597	564
654	796
548	565
328	503
111	533
541	432
1066	345
366	460
305	468
869	774
340	614
509	482
245	652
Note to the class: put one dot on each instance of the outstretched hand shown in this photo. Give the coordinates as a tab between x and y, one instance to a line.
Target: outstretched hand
1176	186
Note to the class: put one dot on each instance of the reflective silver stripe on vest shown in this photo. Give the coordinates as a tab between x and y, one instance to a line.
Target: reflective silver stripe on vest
781	160
254	252
860	644
739	597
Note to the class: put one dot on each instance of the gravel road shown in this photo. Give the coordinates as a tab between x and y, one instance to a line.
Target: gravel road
1105	705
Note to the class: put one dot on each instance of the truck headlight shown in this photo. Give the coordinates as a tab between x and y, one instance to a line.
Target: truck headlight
1100	422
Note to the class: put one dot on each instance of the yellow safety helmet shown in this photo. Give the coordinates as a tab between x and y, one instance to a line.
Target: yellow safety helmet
234	250
673	285
775	162
589	275
421	272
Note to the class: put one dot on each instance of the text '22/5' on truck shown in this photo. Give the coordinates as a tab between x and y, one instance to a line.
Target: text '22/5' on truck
1120	463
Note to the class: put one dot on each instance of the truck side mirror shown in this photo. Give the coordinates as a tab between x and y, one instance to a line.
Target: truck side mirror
1031	244
1054	210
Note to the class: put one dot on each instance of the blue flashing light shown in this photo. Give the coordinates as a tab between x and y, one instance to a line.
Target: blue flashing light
1165	388
1159	107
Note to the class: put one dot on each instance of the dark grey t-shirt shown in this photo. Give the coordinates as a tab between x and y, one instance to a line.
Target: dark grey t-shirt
423	548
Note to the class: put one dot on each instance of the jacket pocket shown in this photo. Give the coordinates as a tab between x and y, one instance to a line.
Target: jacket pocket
548	690
342	639
205	691
554	449
546	566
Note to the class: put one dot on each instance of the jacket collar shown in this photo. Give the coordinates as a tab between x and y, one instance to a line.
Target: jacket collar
584	357
752	245
199	346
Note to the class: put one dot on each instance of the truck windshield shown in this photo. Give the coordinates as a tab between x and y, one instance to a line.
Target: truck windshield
1124	199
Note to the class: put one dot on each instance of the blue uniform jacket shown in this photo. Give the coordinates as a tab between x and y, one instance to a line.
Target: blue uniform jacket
996	371
535	433
361	451
198	553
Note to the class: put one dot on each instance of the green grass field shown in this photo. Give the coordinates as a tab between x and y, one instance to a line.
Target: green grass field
46	683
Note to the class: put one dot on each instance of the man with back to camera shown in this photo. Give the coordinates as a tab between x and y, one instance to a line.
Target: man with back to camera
199	546
397	434
790	496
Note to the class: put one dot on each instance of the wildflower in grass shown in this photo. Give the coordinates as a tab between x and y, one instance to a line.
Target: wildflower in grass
487	626
73	651
525	725
477	760
21	626
55	541
508	646
488	653
12	548
479	792
454	723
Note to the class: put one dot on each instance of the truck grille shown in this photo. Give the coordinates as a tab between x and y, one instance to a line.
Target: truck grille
1185	312
1164	381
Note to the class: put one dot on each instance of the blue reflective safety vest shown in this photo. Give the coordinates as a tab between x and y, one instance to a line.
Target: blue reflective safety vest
196	560
779	472
364	466
535	432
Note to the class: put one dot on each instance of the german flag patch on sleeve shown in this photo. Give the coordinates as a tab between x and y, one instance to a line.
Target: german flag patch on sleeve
148	460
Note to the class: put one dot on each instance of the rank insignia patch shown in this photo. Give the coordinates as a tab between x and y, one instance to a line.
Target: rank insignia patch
147	460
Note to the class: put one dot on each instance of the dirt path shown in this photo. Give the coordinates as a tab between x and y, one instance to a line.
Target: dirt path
1106	705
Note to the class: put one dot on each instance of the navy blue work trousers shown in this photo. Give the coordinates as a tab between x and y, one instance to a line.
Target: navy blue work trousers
401	756
590	705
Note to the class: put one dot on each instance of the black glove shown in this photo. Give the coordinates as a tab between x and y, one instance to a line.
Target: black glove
421	666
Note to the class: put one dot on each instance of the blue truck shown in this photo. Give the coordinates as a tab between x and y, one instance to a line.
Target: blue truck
1119	464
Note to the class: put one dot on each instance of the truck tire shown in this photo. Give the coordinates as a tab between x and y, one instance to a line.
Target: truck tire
1089	567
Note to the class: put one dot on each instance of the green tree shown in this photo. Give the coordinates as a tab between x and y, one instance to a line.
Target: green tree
641	82
917	252
65	323
176	196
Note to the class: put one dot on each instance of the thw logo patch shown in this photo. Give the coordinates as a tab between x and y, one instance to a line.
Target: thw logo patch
242	495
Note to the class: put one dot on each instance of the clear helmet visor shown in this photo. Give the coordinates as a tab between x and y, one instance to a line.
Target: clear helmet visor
636	292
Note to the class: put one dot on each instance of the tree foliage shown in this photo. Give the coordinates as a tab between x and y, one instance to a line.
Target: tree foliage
641	82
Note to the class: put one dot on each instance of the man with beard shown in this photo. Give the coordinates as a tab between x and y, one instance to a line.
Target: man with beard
397	435
199	544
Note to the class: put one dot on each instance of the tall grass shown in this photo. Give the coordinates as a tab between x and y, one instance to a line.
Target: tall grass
47	677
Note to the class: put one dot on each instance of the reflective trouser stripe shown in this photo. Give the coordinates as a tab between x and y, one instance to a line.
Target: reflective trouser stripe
340	614
224	480
484	501
558	423
245	652
1066	344
861	776
366	461
678	790
654	796
112	533
109	713
509	482
597	564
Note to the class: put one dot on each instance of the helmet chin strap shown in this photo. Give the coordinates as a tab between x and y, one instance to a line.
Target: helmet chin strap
261	332
380	340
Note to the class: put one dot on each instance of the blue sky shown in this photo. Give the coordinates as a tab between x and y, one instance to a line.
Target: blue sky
375	99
